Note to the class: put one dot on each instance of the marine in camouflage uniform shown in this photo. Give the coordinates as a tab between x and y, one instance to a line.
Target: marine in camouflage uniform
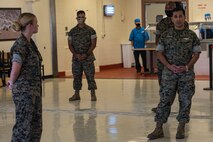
27	92
82	41
178	47
178	50
162	26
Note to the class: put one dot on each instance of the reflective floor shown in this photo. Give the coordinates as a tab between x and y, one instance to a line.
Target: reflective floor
121	114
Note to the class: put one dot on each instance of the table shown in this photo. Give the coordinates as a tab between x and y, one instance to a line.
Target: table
151	50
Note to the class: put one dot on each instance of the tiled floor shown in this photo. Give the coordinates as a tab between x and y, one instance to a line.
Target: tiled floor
121	114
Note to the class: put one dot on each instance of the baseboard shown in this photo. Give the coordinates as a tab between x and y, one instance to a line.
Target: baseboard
61	74
48	76
101	68
113	66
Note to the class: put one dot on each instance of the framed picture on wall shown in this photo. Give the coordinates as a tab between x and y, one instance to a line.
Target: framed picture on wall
7	16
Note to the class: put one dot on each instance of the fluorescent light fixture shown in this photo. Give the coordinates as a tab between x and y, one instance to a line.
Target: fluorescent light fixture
109	10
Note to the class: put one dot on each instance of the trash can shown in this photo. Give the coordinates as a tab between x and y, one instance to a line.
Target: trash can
127	55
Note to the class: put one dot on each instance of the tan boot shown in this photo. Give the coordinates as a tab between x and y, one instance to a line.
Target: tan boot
180	131
93	96
75	97
157	133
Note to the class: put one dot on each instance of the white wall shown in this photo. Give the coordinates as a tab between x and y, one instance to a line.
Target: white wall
66	18
111	31
197	9
42	11
42	38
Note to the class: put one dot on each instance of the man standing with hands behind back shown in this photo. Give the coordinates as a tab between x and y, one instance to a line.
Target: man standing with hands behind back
82	41
138	36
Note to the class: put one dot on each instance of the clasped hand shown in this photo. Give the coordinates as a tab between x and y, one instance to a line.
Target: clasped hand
9	85
176	69
80	57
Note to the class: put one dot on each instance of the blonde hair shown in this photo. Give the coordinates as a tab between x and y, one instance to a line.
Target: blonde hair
23	20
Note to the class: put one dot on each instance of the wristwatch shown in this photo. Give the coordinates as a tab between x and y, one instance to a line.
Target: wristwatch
187	69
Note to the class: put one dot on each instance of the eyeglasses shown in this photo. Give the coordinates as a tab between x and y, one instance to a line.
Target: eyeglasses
80	17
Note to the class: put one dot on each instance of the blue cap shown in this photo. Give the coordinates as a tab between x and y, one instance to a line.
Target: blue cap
137	20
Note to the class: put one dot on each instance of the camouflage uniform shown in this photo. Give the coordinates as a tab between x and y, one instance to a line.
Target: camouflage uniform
178	48
27	92
81	41
161	27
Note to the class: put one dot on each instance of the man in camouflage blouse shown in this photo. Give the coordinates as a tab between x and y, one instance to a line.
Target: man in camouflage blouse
162	26
178	50
82	41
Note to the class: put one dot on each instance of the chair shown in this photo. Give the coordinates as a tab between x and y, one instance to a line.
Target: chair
5	66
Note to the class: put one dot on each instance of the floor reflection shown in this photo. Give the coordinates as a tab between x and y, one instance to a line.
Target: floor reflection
84	127
121	114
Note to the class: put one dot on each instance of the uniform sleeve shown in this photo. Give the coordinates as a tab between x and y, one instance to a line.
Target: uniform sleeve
157	30
196	44
160	46
93	34
17	58
69	35
19	51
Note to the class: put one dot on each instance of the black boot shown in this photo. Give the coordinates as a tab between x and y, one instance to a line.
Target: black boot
93	96
154	109
180	131
75	97
157	133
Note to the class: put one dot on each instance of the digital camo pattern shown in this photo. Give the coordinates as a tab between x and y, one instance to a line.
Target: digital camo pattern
81	41
28	126
162	26
178	49
29	80
165	24
27	92
89	69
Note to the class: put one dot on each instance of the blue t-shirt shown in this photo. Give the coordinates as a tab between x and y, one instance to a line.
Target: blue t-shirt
138	36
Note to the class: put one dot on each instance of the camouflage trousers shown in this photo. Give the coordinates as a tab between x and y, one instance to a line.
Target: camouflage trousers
160	67
169	88
28	126
78	67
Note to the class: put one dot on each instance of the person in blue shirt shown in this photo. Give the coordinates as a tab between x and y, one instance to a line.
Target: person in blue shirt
138	37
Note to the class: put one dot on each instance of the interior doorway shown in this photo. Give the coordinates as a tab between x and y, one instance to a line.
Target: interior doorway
150	5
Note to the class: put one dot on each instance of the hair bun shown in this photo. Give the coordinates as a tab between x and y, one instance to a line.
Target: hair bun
16	26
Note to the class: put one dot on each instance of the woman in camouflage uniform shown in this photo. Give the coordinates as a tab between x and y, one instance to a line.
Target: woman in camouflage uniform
25	81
